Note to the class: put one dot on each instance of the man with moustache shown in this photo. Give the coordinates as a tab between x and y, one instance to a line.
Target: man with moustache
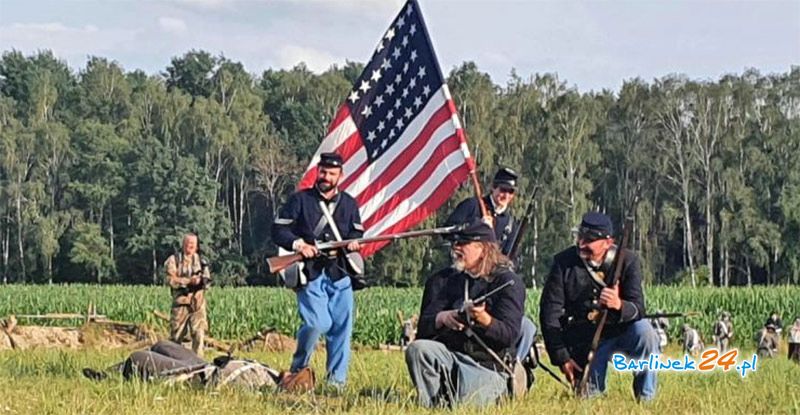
325	303
575	291
446	363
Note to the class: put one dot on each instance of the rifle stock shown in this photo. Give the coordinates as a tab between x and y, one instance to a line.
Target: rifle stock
280	262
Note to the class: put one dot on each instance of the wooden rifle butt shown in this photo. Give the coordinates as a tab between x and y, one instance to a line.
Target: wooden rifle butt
280	262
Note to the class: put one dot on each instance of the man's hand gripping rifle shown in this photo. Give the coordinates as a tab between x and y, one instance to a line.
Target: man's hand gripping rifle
202	275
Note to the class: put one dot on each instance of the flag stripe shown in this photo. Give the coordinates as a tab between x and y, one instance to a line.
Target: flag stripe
355	162
402	163
342	129
374	212
454	179
439	175
349	178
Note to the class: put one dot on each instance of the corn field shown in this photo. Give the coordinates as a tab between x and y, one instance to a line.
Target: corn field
239	312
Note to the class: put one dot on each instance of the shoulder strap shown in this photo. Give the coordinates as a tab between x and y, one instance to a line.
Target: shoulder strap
358	268
323	219
592	273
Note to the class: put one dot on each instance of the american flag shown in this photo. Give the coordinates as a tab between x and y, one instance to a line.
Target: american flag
398	131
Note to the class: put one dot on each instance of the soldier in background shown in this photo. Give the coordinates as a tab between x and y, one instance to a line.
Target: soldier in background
661	324
723	332
767	341
794	341
776	321
498	203
692	343
408	329
188	276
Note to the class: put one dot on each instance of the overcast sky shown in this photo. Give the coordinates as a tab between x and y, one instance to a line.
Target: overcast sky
591	45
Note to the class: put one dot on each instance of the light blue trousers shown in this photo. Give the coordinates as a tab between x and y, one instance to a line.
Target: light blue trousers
326	308
445	378
527	334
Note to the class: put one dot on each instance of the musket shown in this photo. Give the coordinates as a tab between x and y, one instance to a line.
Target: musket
673	315
462	312
471	334
481	299
547	369
581	389
523	224
281	262
183	370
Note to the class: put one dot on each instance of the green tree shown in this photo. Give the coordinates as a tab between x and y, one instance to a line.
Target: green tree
90	250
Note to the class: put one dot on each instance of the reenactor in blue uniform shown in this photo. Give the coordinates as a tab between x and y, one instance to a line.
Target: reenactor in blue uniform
325	302
575	290
498	203
453	361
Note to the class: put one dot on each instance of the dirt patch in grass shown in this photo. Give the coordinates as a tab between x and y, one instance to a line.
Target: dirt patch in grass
88	336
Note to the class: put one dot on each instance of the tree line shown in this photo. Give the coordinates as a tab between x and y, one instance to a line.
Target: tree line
102	169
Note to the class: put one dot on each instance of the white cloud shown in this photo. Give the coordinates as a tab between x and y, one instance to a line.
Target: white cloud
316	60
381	9
172	25
44	28
207	4
62	39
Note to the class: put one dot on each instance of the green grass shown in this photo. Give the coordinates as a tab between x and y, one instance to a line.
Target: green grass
236	313
49	382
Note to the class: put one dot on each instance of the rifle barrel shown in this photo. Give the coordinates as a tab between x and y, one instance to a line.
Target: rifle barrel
512	253
390	237
493	292
672	315
281	262
182	370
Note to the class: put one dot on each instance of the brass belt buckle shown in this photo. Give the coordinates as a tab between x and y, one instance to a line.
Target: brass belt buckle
593	315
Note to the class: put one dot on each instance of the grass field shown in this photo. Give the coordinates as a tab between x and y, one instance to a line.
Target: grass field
49	382
236	313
